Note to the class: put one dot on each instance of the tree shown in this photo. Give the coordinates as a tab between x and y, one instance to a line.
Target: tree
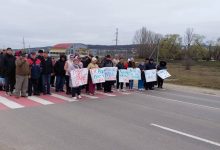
147	42
170	47
188	39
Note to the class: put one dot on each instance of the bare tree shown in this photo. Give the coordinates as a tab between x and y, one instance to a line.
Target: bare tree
146	42
188	39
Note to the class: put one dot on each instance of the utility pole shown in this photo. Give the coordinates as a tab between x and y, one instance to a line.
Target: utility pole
158	51
116	40
23	44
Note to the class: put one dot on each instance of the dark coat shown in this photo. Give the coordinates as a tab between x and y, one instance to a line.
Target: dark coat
9	65
47	66
59	68
120	66
107	63
150	66
1	65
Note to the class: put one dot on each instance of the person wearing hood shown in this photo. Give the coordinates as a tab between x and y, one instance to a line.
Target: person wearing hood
9	71
76	91
151	65
92	65
161	66
60	73
141	66
67	66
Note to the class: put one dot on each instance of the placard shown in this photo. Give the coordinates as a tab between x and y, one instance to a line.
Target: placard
123	75
79	77
163	74
134	73
110	73
151	75
98	75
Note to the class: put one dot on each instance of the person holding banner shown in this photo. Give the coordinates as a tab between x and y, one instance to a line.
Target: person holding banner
108	84
141	66
77	64
120	65
151	65
131	64
161	66
92	65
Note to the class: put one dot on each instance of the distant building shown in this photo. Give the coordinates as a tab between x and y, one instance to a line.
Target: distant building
66	48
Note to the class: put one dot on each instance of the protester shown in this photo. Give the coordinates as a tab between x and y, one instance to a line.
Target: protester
115	60
47	68
120	65
92	65
108	84
22	75
99	85
161	66
41	58
68	65
9	71
141	66
151	65
76	65
35	73
60	73
52	80
2	77
131	64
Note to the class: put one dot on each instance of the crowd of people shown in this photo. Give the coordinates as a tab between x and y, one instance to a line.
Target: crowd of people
35	73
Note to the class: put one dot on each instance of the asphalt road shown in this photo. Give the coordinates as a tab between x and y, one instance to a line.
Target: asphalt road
152	120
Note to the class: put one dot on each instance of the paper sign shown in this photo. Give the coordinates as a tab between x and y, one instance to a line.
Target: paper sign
98	75
123	75
163	74
134	73
110	73
79	77
151	75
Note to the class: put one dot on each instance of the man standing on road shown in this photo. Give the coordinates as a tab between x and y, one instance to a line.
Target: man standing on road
2	54
22	75
60	73
47	68
9	71
151	65
40	57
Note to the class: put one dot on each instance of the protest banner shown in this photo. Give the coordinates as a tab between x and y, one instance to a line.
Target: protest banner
79	77
110	73
151	75
134	73
123	75
98	75
163	74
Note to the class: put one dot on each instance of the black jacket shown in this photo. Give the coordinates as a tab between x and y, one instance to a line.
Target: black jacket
1	65
47	66
59	68
9	65
107	63
120	65
150	66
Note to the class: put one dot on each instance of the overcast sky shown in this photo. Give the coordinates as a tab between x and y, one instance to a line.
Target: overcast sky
48	22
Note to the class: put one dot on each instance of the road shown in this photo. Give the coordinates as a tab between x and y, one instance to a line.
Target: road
169	119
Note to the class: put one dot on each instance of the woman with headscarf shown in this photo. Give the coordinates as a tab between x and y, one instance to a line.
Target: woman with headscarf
67	66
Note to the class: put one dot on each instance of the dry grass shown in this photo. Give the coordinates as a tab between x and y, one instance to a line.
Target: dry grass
202	74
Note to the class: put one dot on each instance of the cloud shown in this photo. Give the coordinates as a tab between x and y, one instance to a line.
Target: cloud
47	22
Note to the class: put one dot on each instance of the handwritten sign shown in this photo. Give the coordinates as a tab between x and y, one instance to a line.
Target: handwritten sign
98	75
163	74
110	73
134	73
123	75
79	77
151	75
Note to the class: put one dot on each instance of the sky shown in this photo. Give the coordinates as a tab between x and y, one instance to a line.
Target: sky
49	22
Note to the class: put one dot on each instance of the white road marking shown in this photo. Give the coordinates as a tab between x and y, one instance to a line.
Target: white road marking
121	92
9	103
188	103
89	96
40	100
64	98
106	94
187	135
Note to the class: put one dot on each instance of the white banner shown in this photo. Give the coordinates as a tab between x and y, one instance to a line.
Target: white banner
151	75
98	75
110	73
163	74
79	77
134	73
123	75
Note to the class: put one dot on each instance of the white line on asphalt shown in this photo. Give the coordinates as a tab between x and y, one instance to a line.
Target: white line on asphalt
188	103
63	98
40	100
187	135
89	96
121	92
9	103
106	94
